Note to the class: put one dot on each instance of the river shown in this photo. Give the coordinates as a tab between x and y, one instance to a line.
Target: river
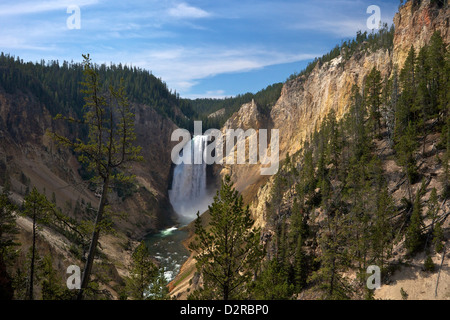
167	247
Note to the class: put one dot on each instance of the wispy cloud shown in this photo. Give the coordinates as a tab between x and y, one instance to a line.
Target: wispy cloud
185	11
210	94
183	67
39	7
342	27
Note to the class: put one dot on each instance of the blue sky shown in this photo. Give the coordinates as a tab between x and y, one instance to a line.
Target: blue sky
200	48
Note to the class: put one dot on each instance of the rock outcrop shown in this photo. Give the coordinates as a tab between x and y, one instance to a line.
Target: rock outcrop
305	101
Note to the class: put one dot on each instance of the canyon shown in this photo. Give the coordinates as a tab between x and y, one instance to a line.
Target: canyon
29	157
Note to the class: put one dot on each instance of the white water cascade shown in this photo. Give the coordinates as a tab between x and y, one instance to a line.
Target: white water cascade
189	192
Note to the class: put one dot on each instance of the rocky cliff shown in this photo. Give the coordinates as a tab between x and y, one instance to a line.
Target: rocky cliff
29	157
306	100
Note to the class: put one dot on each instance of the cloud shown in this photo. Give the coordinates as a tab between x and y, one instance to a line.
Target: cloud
186	11
210	94
10	42
183	67
342	27
39	7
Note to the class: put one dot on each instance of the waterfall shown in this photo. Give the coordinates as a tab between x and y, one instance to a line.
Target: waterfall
189	193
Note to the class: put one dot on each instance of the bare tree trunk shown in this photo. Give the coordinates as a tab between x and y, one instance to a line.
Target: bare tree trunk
33	251
94	241
439	274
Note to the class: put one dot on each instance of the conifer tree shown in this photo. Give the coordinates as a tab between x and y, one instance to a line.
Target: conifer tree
372	99
8	232
405	149
53	287
423	108
299	233
38	208
109	147
437	76
392	93
158	288
143	273
355	124
8	228
333	259
414	236
272	283
301	268
407	100
229	250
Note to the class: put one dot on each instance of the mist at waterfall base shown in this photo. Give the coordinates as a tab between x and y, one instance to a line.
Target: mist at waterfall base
189	194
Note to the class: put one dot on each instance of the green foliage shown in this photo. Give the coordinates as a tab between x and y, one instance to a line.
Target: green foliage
272	283
108	150
404	294
265	99
145	280
334	259
363	42
8	228
57	86
414	236
158	288
406	105
19	283
429	265
229	251
110	125
340	180
38	208
53	287
372	99
423	82
406	147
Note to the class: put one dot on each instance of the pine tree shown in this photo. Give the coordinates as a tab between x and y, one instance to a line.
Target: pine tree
438	237
53	287
301	268
372	97
143	273
38	208
229	251
299	233
355	124
437	77
272	283
8	232
109	148
405	149
333	259
8	228
158	288
422	108
414	236
407	100
392	95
